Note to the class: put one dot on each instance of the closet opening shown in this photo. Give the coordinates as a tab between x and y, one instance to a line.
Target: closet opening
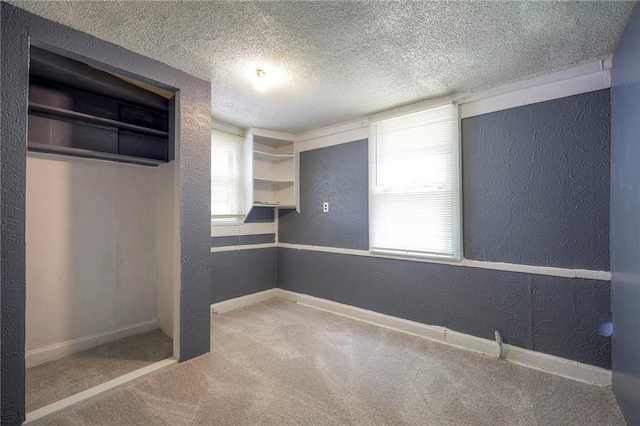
102	226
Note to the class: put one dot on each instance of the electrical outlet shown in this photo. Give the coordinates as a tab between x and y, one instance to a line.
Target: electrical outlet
325	206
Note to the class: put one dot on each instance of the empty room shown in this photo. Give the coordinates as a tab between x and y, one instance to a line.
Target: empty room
319	213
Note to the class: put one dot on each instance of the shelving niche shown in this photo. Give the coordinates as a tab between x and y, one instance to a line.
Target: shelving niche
271	168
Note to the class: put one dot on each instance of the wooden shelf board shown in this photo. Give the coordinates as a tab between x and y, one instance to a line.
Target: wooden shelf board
272	157
88	118
278	206
85	153
272	181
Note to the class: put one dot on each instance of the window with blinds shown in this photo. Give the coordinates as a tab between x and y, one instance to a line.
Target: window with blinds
414	184
226	175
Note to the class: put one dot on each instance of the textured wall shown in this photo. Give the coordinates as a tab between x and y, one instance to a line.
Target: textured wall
536	183
241	272
14	75
194	112
558	316
238	240
625	220
548	314
339	175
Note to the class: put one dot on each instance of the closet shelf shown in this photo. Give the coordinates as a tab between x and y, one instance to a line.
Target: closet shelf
266	156
86	153
92	119
278	206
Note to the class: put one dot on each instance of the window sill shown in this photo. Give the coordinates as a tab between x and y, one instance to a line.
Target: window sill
415	255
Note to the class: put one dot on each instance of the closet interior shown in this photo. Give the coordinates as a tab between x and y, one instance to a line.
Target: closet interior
101	217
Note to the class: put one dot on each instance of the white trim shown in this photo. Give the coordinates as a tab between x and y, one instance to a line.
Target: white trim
274	134
60	350
536	360
584	78
350	134
228	128
243	247
51	409
500	266
243	229
532	95
243	301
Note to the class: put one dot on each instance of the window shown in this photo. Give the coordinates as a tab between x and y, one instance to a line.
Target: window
414	184
226	173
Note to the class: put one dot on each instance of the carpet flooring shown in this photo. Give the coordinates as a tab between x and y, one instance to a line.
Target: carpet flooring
55	380
279	363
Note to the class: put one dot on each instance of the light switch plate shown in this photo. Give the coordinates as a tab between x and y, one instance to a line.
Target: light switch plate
325	206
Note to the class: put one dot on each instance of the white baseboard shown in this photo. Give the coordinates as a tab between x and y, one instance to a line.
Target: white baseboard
242	301
551	364
51	409
60	350
539	361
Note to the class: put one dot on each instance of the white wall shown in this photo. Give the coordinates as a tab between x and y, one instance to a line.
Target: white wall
92	247
166	246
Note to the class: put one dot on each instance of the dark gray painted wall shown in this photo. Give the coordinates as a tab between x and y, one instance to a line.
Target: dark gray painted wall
339	175
12	213
536	183
625	220
242	272
238	240
261	215
558	316
1	136
194	108
547	314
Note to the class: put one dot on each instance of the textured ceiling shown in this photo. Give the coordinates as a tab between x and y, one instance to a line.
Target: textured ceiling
339	61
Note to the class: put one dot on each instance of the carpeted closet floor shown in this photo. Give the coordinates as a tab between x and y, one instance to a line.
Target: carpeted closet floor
279	363
55	380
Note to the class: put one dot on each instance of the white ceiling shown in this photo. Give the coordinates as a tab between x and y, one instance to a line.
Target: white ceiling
345	60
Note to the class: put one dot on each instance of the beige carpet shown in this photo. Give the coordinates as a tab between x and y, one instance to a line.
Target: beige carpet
55	380
278	363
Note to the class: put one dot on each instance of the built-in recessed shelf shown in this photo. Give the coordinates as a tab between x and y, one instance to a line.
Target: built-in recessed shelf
272	181
80	110
271	173
91	119
266	156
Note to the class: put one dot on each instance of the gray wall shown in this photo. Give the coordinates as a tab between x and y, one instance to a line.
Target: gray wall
241	272
338	175
18	27
536	183
558	316
625	220
547	314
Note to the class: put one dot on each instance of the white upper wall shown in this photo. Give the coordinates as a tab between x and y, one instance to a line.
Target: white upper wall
92	236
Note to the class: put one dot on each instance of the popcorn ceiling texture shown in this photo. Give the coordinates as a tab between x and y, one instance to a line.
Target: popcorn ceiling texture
344	60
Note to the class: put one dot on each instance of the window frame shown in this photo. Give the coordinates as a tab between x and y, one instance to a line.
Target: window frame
230	219
457	223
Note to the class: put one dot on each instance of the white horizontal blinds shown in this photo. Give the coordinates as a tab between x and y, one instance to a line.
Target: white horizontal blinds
414	199
226	154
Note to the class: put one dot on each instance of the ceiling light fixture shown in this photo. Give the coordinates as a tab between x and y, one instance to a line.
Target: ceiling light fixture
261	82
265	76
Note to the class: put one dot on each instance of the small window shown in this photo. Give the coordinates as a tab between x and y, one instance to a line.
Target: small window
226	173
414	185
